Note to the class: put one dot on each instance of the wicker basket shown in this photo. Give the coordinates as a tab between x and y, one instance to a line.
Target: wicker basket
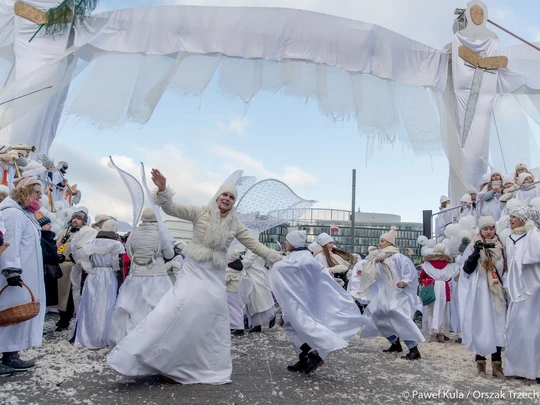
19	313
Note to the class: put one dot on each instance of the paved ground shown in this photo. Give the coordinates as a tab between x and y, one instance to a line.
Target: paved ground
358	374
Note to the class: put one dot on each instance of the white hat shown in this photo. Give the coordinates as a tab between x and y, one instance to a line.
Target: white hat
297	238
227	188
472	191
390	236
521	166
148	215
443	199
102	217
486	178
312	246
110	225
466	198
324	239
522	177
439	249
508	179
485	221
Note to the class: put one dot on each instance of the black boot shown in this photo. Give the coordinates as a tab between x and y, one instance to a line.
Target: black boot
6	370
272	322
237	332
63	323
12	359
314	362
302	364
395	348
413	354
256	329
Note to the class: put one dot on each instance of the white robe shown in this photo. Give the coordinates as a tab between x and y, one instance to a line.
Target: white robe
482	327
22	233
491	207
99	293
391	309
186	337
260	305
441	222
319	311
522	355
525	196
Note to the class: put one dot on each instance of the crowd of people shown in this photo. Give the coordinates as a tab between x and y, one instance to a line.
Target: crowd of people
488	291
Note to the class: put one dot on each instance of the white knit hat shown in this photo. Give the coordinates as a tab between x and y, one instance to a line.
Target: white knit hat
312	246
485	221
472	191
227	188
324	239
522	177
508	179
102	217
521	166
390	236
466	198
148	215
486	178
439	249
110	225
443	199
297	238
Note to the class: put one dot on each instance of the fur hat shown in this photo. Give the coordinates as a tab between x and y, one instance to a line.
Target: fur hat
148	215
466	199
81	215
390	236
439	249
324	239
521	166
485	221
227	188
110	225
526	212
443	199
522	177
508	179
312	246
297	238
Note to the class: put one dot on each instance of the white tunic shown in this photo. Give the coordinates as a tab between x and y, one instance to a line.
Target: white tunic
22	233
526	195
320	312
441	222
391	309
522	355
99	293
260	306
490	207
482	326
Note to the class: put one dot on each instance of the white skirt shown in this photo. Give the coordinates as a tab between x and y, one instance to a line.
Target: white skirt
261	318
95	311
186	337
138	296
236	310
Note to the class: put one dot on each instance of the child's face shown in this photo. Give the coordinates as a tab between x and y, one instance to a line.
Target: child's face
47	227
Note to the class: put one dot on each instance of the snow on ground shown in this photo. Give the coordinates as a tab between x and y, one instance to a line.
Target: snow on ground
361	373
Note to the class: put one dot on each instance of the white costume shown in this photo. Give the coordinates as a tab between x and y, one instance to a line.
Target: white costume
260	307
316	309
391	309
100	259
489	203
234	303
187	337
146	283
22	232
522	332
84	236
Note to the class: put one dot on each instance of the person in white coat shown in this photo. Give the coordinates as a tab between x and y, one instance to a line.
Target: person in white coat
354	281
483	308
147	281
522	354
319	316
101	259
233	275
186	338
444	219
489	197
528	188
330	257
389	282
260	307
466	208
22	261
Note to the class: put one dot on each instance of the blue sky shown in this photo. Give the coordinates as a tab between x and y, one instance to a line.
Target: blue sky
198	141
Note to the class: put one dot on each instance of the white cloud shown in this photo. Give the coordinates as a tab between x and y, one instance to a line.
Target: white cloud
293	176
237	126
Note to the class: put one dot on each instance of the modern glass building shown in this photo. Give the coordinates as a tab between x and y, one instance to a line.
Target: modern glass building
368	228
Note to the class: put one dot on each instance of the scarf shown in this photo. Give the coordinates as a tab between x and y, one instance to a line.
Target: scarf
369	271
488	258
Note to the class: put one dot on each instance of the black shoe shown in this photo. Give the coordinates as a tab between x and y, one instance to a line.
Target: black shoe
272	322
538	380
413	354
300	365
395	348
6	371
256	329
459	340
13	360
237	332
314	362
446	338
